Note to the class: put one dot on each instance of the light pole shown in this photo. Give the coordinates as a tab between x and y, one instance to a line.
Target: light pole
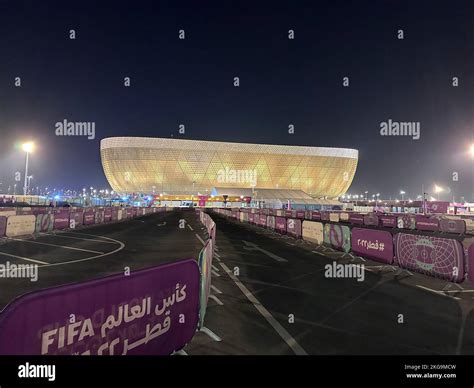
403	195
438	190
366	193
27	147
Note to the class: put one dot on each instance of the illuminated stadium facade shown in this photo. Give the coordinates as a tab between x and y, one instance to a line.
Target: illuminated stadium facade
180	167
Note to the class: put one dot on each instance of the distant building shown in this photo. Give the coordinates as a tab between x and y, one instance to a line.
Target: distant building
182	167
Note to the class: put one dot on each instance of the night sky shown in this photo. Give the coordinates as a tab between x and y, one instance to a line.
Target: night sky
282	82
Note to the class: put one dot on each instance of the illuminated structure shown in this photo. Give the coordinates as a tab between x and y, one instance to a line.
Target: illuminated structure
180	167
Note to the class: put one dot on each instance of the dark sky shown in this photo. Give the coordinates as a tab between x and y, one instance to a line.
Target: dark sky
282	82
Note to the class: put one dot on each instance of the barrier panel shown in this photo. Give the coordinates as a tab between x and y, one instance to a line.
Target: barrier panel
20	225
7	213
280	225
469	221
107	214
371	220
205	267
251	218
99	216
44	223
262	220
388	221
271	222
373	244
280	213
313	232
61	219
121	214
89	217
452	226
114	214
427	223
288	213
357	219
140	314
344	217
406	221
470	263
3	225
300	214
334	217
439	257
244	217
293	227
76	218
324	216
316	216
338	236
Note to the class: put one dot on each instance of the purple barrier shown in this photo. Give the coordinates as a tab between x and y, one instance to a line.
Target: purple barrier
373	244
114	215
44	223
452	226
235	214
271	222
89	217
406	221
439	257
316	216
300	214
426	223
470	263
3	225
357	219
140	314
99	216
134	212
40	210
293	227
371	220
76	218
61	219
107	214
324	216
388	221
288	213
251	218
280	224
128	213
262	220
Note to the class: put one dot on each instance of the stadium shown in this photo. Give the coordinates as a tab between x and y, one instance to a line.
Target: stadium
178	168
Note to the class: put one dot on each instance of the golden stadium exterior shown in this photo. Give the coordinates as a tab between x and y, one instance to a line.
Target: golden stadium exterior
146	165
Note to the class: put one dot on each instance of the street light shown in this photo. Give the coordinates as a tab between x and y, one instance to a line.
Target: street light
438	189
27	147
403	195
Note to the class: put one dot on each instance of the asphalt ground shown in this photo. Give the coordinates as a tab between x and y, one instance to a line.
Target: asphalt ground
270	292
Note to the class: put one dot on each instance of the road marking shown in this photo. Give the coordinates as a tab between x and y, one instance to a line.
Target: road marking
254	247
76	238
200	239
216	290
23	258
438	292
215	273
56	245
291	342
190	227
216	299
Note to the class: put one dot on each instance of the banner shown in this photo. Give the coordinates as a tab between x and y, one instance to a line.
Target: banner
452	226
20	225
344	217
280	224
427	223
271	222
470	263
388	221
316	216
76	219
324	216
3	225
439	257
99	216
61	219
205	267
293	227
150	312
357	219
107	214
334	217
338	236
300	214
313	232
251	217
89	217
406	221
371	220
44	223
373	244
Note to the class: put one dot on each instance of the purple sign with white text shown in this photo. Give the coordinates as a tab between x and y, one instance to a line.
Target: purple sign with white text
150	312
388	221
280	224
371	220
373	244
426	223
355	218
293	227
61	219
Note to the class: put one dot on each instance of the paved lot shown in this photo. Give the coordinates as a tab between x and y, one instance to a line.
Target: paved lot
271	292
